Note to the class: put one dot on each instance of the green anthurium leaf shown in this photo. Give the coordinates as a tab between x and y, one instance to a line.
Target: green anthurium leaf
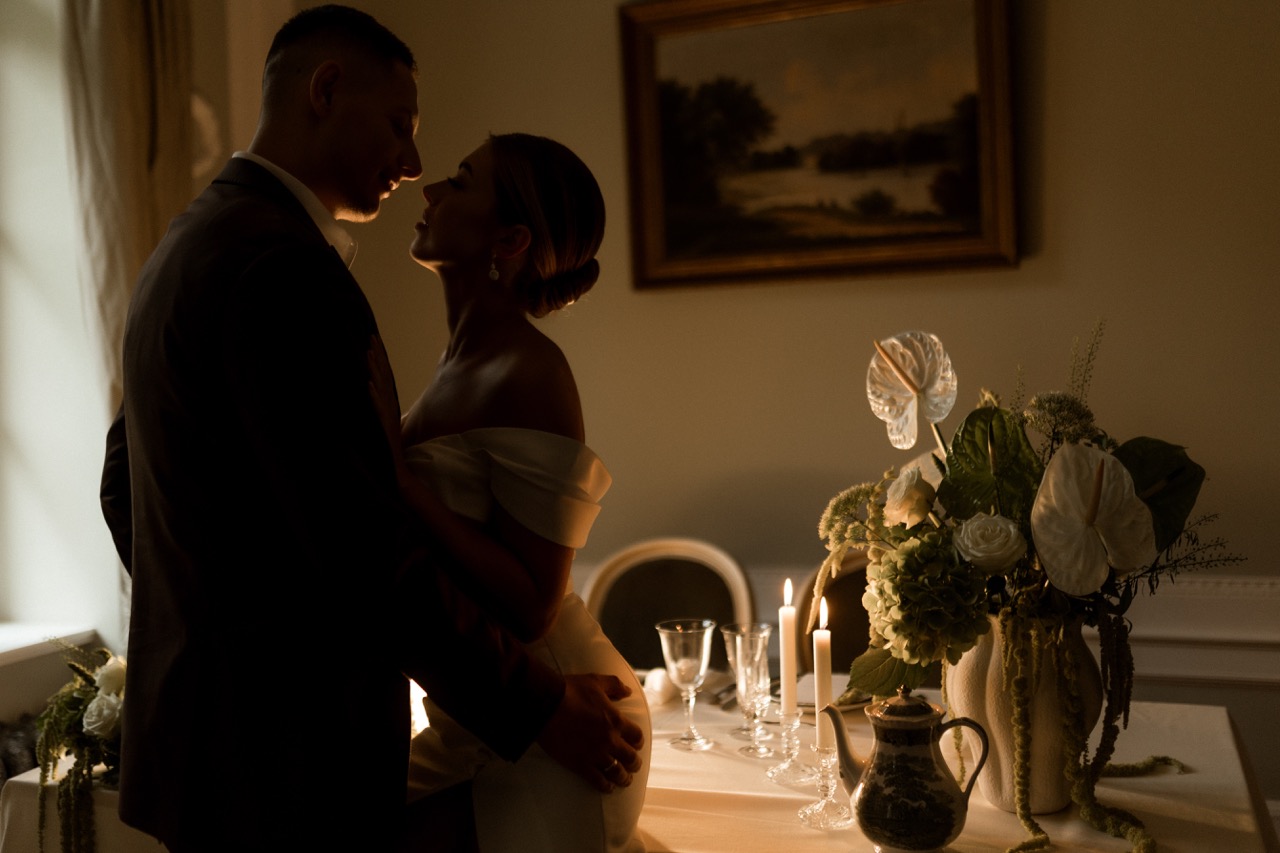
879	673
1167	481
991	467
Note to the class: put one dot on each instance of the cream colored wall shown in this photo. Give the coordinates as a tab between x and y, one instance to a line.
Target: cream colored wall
1150	197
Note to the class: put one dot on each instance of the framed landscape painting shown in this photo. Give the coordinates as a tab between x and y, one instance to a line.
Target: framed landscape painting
799	138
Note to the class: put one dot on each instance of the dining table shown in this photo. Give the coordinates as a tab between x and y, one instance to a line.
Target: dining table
720	801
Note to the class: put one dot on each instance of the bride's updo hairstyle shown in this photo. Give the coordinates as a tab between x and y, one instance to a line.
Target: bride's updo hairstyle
544	186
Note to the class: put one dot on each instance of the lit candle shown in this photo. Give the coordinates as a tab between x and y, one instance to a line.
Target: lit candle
787	640
822	677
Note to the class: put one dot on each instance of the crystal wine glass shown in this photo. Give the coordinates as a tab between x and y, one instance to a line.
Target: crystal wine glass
747	646
686	648
742	732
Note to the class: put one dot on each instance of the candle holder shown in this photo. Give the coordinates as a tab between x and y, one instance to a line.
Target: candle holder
827	812
791	771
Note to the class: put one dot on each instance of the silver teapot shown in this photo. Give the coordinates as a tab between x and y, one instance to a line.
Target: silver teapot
903	795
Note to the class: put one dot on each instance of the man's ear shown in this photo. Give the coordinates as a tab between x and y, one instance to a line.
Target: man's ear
514	241
324	80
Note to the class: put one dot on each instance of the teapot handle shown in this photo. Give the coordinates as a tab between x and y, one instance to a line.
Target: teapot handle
982	736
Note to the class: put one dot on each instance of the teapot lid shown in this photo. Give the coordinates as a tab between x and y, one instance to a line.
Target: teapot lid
904	709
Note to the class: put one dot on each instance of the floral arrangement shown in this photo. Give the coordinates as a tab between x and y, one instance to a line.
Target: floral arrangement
1038	536
81	720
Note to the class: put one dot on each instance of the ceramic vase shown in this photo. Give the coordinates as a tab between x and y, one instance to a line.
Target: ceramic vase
976	689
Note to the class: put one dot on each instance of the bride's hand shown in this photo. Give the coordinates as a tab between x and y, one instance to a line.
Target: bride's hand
382	390
588	735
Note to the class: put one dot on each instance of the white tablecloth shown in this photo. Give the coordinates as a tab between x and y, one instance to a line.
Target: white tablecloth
19	810
721	802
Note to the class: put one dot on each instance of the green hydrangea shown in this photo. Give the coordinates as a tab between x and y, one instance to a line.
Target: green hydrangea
925	601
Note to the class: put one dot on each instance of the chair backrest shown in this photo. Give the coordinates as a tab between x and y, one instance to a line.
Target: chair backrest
647	582
846	617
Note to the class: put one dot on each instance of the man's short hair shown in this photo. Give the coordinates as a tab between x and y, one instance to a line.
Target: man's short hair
334	26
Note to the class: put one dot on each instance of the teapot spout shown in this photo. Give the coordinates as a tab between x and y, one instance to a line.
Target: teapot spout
851	766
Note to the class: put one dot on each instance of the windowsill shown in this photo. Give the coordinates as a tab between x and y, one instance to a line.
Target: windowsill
20	641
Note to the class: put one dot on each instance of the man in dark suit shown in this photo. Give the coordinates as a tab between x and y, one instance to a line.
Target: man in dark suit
281	591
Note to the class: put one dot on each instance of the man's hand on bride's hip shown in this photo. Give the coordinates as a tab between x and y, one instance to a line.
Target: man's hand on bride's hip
590	736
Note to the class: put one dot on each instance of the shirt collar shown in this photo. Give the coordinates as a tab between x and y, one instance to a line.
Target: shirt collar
337	236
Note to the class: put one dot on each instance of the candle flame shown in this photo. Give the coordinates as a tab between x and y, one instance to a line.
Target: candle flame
822	613
786	593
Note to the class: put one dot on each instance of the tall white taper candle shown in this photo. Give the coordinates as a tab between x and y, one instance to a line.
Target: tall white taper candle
822	677
787	644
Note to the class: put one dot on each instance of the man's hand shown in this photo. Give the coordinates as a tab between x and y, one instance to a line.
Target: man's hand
589	736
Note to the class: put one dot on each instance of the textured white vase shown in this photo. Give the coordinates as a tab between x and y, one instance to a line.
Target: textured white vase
975	689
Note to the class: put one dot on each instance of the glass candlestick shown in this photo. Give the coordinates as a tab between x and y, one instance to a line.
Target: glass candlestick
791	771
828	812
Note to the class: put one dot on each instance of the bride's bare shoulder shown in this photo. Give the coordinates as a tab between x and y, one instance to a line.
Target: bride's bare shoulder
537	389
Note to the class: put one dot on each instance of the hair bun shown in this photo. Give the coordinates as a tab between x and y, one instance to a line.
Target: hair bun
562	290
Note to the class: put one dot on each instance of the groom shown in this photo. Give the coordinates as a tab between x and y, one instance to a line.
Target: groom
281	591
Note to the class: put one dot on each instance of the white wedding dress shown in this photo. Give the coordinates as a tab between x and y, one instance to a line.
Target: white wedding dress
552	485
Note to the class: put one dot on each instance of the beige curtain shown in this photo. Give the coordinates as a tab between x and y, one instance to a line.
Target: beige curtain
128	71
128	65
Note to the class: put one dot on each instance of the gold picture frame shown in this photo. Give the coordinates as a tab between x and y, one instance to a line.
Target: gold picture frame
772	139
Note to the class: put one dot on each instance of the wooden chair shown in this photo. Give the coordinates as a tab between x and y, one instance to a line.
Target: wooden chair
657	579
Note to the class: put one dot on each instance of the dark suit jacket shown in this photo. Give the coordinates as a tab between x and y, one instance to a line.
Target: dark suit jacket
280	588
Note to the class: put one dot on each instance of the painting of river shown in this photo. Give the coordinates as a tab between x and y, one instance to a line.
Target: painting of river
843	127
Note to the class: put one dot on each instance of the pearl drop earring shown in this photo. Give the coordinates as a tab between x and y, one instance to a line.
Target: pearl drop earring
493	268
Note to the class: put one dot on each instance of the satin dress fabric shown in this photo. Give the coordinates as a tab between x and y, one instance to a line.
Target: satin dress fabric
552	485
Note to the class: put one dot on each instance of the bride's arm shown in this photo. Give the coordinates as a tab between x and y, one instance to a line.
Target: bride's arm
515	574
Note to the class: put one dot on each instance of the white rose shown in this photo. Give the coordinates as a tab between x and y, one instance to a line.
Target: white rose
110	676
909	499
102	717
990	541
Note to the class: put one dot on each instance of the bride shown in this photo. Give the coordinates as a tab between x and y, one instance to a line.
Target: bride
494	462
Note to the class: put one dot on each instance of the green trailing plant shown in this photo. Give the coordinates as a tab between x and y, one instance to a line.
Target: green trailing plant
81	721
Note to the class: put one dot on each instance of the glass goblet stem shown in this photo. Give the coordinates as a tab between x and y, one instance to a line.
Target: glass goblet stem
827	812
791	771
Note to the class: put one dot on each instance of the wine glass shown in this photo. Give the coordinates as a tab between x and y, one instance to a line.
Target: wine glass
747	647
742	732
686	647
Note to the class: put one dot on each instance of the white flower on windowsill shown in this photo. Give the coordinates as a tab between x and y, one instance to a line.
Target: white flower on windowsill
110	676
102	717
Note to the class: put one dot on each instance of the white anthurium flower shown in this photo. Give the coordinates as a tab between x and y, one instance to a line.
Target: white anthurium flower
910	378
1087	517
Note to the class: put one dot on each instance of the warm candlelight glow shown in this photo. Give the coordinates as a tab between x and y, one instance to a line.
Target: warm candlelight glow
786	593
822	612
417	711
